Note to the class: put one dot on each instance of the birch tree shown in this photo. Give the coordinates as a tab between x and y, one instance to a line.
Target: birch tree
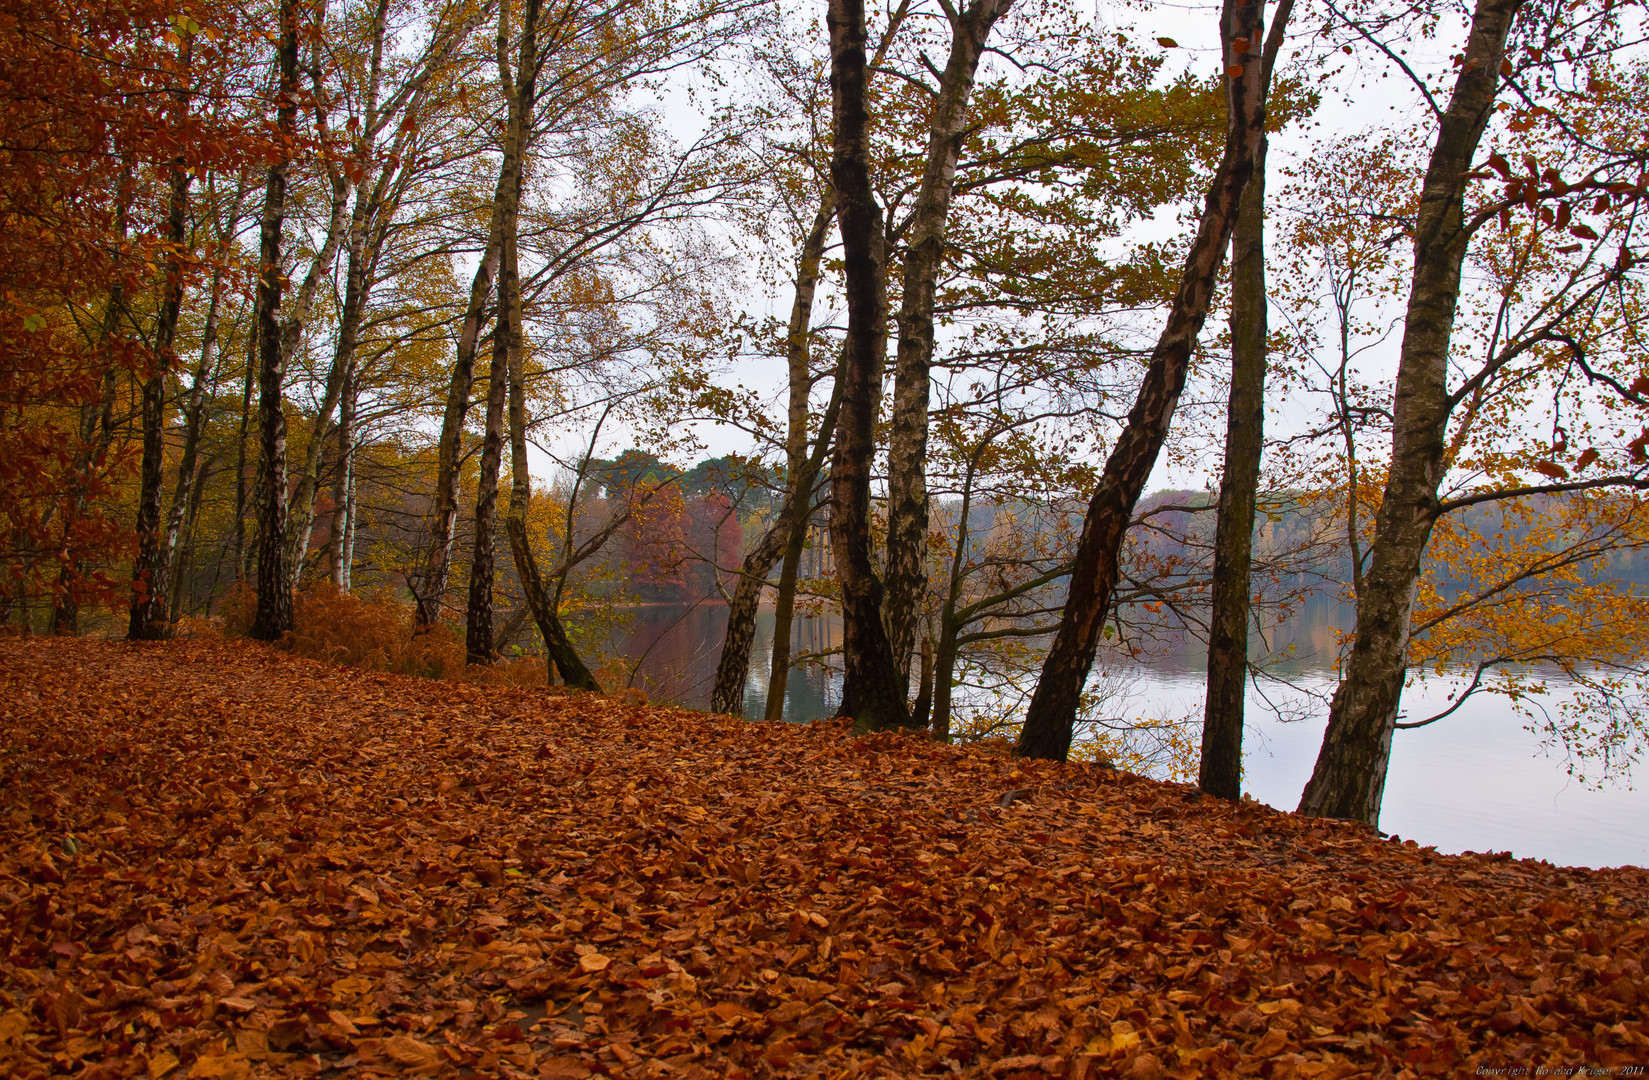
1442	398
1050	719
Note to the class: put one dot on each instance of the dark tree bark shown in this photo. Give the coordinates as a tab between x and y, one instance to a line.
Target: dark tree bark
907	530
872	692
1220	770
147	619
1350	775
1051	718
274	602
804	468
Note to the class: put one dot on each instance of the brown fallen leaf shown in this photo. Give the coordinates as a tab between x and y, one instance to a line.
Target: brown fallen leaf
1272	1043
12	1024
343	1022
795	893
220	1067
416	1054
562	1068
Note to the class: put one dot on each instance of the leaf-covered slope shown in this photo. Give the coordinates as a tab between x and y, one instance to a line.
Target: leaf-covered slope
220	861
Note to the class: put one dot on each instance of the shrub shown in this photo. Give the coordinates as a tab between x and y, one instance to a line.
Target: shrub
375	632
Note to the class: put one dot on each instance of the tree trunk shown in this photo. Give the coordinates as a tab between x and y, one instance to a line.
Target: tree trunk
518	95
1350	775
431	583
147	621
563	655
185	496
727	694
872	692
253	353
923	709
784	602
944	671
1051	718
784	610
1220	770
343	516
907	530
274	602
356	287
478	613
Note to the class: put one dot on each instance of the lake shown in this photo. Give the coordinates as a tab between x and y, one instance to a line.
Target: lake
1476	781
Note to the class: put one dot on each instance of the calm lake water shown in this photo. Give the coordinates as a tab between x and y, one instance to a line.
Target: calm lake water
1476	781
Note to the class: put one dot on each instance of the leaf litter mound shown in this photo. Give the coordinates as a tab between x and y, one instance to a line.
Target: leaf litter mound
222	861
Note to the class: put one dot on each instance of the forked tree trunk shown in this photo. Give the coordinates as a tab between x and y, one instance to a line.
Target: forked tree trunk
907	529
343	362
1350	775
727	693
1051	718
1220	768
273	616
518	94
147	618
186	494
559	647
872	692
431	582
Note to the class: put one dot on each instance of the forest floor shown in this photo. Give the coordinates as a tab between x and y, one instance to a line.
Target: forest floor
222	861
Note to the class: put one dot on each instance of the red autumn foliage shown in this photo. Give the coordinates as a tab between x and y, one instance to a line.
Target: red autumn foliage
223	861
89	121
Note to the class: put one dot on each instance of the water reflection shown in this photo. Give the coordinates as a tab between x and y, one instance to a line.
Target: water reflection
1476	781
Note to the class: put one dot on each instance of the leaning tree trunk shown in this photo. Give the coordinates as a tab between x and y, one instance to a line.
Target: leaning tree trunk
1220	769
147	621
1051	718
562	654
1350	775
274	600
727	693
871	692
907	528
